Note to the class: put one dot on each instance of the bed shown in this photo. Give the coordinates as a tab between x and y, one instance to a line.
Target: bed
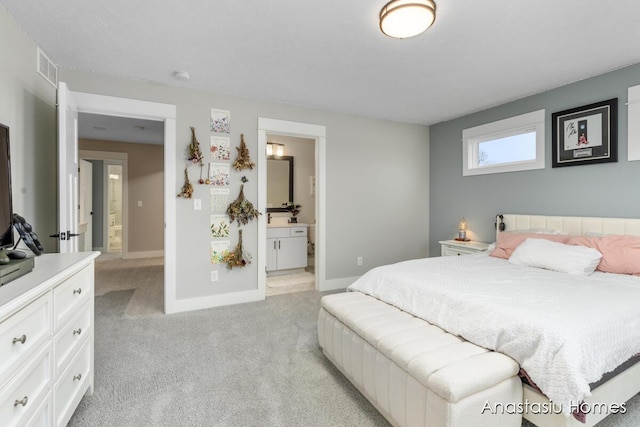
440	355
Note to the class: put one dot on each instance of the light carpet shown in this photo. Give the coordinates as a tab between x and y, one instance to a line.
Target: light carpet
255	364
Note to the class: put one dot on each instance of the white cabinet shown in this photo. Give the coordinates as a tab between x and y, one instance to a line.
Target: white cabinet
286	248
456	247
46	341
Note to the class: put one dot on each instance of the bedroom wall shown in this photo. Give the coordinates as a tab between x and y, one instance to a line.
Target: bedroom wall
28	107
608	189
377	183
145	179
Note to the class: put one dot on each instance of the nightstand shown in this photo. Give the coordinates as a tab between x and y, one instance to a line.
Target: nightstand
455	247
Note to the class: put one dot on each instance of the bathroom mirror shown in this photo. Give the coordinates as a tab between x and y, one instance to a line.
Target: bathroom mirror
279	182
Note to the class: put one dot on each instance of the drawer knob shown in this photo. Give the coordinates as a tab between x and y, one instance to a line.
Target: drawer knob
77	377
21	340
22	402
77	331
77	291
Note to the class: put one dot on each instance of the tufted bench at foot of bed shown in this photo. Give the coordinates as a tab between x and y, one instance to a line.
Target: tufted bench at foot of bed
415	373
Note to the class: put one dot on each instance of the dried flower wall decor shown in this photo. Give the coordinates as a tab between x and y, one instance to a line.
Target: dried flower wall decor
187	188
241	209
238	257
195	155
244	159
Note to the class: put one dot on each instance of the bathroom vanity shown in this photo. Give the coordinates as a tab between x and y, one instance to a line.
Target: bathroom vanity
286	248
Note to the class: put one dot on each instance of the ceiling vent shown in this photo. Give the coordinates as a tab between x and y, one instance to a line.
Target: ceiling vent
47	69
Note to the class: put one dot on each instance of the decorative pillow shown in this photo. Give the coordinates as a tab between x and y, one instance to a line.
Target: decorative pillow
620	254
509	241
540	253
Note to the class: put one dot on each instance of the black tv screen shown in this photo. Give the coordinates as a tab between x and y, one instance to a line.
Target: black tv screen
6	207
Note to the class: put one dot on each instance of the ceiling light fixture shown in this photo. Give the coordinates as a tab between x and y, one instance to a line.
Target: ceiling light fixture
407	18
275	149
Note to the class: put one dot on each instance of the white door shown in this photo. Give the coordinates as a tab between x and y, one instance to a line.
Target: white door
67	171
85	226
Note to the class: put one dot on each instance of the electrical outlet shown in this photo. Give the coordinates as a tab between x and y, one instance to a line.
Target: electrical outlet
197	204
359	261
139	203
214	276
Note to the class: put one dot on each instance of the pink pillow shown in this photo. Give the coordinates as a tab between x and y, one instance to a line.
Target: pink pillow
620	254
508	242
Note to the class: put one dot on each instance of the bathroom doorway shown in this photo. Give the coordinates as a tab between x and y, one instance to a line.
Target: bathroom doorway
114	209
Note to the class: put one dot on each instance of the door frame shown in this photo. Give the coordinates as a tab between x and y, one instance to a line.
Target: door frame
302	130
113	158
124	107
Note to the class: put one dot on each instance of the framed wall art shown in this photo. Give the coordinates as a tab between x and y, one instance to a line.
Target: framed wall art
585	135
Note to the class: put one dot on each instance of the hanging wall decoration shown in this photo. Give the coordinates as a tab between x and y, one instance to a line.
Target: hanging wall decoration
219	249
238	257
219	199
187	188
219	174
219	226
220	121
244	159
220	148
241	209
195	154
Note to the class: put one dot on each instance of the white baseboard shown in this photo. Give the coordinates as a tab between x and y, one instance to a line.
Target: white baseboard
216	301
333	284
143	254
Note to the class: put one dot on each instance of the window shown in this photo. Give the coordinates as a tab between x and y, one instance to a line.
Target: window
509	145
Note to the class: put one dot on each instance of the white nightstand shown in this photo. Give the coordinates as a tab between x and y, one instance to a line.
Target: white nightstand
455	247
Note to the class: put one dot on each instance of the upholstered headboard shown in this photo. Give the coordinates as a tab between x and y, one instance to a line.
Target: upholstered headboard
573	225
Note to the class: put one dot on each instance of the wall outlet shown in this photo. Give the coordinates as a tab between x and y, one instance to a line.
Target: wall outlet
214	276
139	203
359	260
197	204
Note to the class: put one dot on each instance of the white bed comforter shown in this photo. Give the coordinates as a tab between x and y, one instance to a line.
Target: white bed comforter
565	331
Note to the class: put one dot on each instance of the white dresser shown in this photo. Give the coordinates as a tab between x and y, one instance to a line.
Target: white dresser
286	248
46	341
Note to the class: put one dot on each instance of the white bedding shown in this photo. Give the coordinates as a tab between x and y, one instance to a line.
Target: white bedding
566	331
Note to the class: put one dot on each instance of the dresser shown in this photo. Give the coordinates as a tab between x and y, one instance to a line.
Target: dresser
286	248
457	247
46	341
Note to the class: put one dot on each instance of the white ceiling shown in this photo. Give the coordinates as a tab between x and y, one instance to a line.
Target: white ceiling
330	54
122	129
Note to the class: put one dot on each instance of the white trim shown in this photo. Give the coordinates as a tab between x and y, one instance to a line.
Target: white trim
113	158
143	254
123	107
524	123
210	301
304	130
633	123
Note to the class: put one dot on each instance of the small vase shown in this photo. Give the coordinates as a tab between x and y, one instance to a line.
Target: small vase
293	220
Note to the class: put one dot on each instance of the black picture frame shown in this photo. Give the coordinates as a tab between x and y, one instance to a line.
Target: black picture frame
585	135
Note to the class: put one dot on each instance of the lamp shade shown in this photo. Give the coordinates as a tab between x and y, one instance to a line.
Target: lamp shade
407	18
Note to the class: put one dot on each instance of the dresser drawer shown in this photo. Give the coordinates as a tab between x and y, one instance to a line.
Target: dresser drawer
274	233
68	340
23	333
70	295
71	385
42	416
23	396
457	251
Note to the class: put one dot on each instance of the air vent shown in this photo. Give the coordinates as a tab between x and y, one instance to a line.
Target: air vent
47	69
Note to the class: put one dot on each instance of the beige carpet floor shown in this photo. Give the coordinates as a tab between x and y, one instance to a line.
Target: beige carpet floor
144	276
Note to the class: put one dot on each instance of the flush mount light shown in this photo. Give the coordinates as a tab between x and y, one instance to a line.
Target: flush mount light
275	149
407	18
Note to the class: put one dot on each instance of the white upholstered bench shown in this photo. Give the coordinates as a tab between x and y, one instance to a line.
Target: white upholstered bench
415	373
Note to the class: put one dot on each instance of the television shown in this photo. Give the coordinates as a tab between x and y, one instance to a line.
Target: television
6	206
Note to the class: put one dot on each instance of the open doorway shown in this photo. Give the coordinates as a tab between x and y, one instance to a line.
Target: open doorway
114	209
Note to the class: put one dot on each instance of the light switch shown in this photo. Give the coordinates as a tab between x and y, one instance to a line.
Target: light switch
197	204
139	203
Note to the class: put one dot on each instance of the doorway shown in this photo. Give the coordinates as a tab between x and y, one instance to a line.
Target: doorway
317	134
114	209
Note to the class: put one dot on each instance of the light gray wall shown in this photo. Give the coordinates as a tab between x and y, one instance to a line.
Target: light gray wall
27	106
609	189
377	182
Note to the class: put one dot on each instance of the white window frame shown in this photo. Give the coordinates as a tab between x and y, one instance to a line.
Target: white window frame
518	125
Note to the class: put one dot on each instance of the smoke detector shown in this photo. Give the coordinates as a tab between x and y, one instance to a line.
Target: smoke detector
182	75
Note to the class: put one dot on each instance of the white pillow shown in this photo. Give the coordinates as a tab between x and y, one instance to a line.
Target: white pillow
540	253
